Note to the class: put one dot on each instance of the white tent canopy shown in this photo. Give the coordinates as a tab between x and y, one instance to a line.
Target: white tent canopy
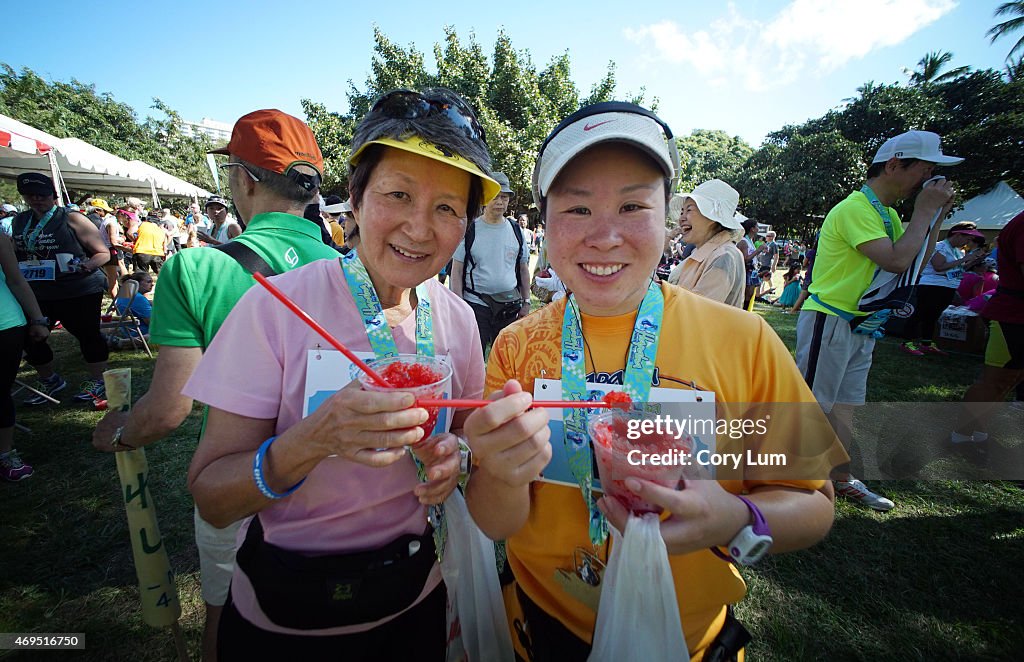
82	166
991	210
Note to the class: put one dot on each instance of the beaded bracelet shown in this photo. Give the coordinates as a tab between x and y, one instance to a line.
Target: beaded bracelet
261	482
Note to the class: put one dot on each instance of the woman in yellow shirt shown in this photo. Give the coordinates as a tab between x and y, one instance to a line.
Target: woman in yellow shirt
602	183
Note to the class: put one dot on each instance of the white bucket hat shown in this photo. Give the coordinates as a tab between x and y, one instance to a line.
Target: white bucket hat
716	201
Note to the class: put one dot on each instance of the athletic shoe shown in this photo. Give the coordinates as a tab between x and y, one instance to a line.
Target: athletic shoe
12	469
91	390
929	348
910	348
50	387
855	490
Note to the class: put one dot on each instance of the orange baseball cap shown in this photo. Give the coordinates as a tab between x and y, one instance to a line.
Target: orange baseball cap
275	141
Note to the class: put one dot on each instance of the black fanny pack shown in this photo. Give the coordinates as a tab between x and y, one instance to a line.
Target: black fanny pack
504	305
318	592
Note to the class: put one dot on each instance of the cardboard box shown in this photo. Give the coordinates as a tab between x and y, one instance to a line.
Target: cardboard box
960	329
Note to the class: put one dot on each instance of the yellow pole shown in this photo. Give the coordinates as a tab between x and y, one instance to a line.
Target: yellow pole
159	595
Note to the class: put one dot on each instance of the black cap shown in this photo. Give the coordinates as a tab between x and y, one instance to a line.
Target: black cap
35	183
332	200
217	200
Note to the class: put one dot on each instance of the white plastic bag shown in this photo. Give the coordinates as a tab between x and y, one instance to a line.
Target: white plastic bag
477	625
638	616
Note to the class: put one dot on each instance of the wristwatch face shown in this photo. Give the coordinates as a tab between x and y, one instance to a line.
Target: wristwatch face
749	547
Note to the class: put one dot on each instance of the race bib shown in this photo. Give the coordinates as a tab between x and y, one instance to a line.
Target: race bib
38	269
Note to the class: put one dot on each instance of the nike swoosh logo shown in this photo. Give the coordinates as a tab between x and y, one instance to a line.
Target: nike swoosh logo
588	127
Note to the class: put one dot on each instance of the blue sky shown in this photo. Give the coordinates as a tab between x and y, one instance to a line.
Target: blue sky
746	67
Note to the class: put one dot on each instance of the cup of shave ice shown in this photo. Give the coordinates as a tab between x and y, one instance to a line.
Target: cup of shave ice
624	450
423	376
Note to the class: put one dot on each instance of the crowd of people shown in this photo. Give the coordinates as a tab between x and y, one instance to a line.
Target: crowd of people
320	522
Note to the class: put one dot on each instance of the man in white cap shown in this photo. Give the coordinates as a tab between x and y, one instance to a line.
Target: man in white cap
490	268
859	235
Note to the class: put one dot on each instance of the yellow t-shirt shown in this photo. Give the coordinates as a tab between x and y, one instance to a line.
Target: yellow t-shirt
151	239
717	347
337	233
841	272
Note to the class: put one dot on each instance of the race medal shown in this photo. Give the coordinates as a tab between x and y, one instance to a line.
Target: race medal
36	270
584	580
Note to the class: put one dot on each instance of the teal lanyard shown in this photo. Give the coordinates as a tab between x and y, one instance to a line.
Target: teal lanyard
880	208
637	378
383	344
381	340
30	239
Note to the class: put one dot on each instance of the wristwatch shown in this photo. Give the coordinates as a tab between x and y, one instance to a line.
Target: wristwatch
752	542
41	321
465	460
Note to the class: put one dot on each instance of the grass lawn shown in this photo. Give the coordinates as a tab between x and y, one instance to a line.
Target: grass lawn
936	578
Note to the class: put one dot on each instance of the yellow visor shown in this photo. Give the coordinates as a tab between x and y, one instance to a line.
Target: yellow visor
423	147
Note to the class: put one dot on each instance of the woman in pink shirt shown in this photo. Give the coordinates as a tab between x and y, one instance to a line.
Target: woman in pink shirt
339	561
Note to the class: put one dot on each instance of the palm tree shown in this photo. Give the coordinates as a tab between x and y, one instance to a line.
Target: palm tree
1015	69
929	68
1010	25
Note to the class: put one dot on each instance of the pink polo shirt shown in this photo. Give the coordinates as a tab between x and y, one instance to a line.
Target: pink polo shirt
256	367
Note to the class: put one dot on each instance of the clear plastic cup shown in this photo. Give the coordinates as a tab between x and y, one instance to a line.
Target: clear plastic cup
617	461
412	373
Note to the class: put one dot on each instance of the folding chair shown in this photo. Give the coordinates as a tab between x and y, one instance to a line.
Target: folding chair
22	386
128	321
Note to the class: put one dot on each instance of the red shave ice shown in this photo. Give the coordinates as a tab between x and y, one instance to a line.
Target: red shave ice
409	375
423	376
612	446
617	399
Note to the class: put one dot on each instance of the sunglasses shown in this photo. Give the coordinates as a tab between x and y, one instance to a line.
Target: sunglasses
242	166
410	105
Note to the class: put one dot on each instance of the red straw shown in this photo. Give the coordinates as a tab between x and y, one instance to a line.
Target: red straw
551	404
334	342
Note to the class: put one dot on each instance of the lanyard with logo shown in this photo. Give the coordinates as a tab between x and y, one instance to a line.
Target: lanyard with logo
880	208
636	381
383	344
30	239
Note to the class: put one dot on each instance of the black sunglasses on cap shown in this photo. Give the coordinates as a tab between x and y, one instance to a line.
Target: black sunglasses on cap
410	105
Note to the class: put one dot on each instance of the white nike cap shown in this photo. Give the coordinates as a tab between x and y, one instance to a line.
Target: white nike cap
585	128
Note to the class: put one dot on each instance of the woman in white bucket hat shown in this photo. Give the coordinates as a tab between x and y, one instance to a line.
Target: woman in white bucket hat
707	218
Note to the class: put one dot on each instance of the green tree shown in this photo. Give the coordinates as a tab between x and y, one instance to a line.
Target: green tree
75	110
707	154
983	121
929	69
516	105
1015	10
1014	70
794	186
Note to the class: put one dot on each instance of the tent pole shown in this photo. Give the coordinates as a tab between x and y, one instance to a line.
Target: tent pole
58	182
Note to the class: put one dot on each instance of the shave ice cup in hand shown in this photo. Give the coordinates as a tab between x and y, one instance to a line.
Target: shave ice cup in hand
644	456
423	376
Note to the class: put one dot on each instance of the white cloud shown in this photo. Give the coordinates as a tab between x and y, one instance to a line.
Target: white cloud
805	37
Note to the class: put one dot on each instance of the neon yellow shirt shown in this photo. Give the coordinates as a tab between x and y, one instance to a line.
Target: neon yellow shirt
841	272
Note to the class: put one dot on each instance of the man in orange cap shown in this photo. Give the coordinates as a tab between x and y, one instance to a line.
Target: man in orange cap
274	170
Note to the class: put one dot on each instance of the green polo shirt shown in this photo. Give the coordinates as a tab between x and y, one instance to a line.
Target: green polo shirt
198	287
841	272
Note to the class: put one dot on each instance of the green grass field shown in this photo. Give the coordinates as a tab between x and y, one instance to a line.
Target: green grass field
936	578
